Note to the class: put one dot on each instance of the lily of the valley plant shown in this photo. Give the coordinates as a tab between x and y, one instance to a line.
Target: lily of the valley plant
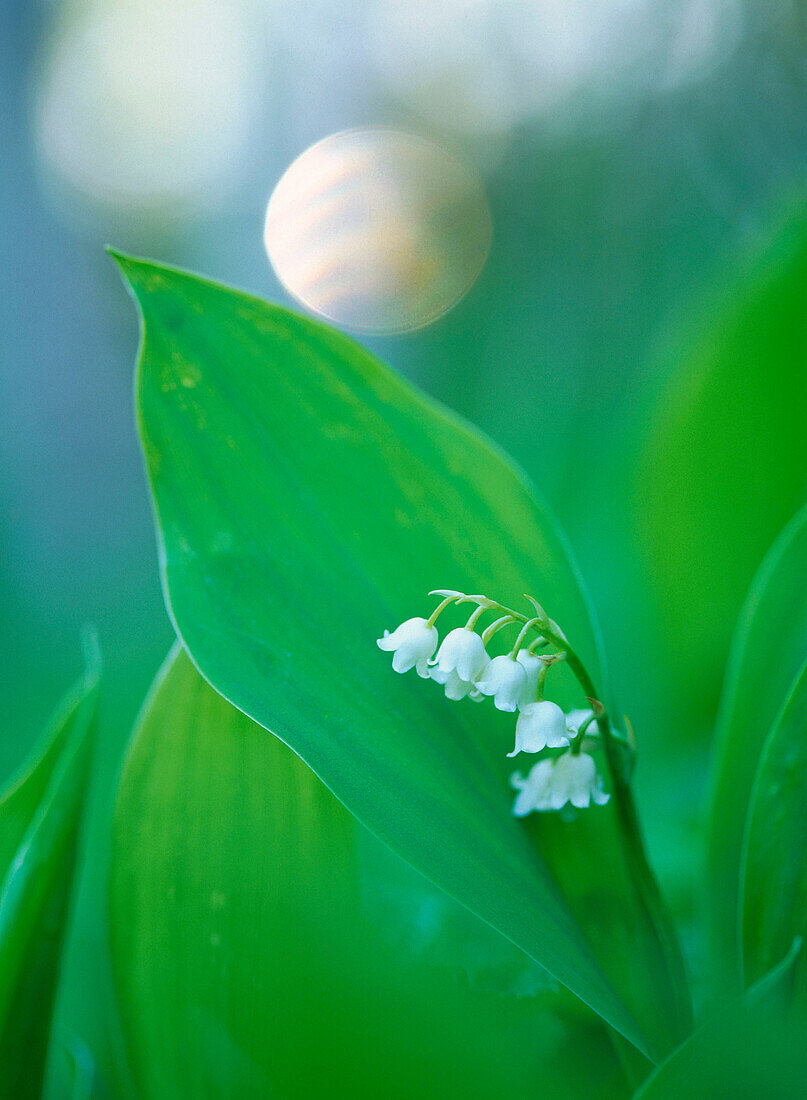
515	681
327	880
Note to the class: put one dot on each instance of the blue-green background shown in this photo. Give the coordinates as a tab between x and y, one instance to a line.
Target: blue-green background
620	228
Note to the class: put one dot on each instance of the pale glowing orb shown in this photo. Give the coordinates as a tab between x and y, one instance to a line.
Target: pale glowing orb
378	230
143	104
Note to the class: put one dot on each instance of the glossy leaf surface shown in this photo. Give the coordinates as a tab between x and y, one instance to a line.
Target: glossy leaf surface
768	650
265	944
774	883
40	814
724	462
752	1048
306	499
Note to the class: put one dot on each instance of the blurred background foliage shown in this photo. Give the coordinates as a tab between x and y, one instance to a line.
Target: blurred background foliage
642	303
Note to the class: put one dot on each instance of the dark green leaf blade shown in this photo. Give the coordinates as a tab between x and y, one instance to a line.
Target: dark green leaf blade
265	944
724	462
40	815
768	650
774	866
307	498
753	1047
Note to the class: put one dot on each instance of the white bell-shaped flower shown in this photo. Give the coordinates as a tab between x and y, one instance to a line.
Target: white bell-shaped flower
412	645
534	790
540	726
532	666
575	780
462	651
455	686
575	719
505	679
552	783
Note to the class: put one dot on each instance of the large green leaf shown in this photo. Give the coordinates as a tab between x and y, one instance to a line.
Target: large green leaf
769	648
753	1048
40	814
724	459
306	499
265	944
774	886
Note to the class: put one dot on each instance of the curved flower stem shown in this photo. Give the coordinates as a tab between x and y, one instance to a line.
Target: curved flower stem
577	743
541	685
432	619
474	617
523	634
494	628
644	881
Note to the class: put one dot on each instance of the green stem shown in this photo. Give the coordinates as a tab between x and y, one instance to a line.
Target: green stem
647	888
494	628
645	884
522	635
474	617
577	744
540	686
432	619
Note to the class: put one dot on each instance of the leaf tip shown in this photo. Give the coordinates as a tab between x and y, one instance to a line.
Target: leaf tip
126	263
129	266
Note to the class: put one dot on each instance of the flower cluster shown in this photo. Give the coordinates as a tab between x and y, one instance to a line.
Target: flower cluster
515	681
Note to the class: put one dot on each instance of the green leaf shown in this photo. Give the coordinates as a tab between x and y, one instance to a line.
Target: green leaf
306	499
768	650
774	882
40	815
265	944
752	1048
73	1072
724	461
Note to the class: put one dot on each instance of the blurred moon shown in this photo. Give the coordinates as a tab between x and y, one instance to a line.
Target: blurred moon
378	230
